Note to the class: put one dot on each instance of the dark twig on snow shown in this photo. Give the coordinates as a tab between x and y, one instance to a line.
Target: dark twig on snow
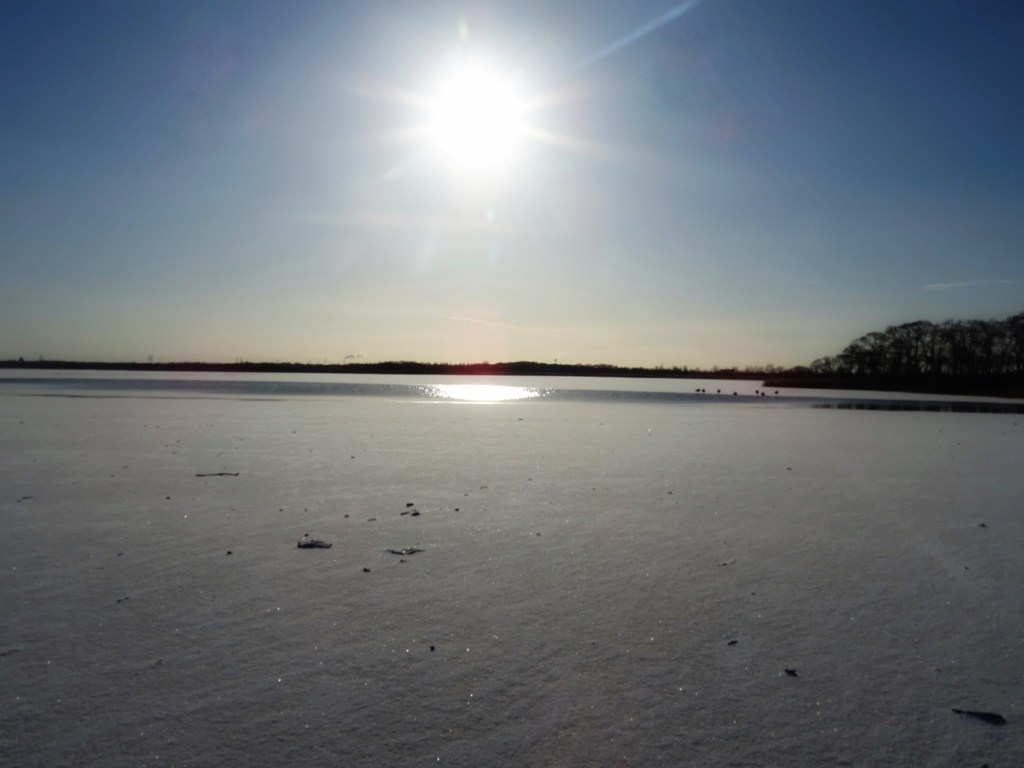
989	717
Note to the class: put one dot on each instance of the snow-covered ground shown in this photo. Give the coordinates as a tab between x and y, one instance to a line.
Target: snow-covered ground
599	584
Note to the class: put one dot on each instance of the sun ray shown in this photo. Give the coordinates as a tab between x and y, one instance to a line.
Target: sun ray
598	150
638	33
378	90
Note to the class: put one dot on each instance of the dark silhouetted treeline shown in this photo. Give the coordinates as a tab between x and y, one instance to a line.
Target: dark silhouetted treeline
921	349
520	368
954	357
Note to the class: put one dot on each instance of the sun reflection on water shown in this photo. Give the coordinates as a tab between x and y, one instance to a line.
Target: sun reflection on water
481	393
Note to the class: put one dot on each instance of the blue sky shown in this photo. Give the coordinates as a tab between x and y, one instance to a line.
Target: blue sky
754	181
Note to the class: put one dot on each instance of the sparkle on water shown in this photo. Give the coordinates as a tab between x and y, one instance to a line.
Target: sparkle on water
481	393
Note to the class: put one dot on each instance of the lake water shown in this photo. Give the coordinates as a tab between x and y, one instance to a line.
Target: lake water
475	389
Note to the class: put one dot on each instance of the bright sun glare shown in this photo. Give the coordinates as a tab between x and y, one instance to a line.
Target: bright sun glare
482	393
477	120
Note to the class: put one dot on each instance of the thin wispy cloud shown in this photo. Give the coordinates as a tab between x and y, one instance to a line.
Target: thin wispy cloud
493	323
966	284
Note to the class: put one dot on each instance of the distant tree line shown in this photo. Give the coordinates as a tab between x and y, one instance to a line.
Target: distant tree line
982	357
982	349
518	368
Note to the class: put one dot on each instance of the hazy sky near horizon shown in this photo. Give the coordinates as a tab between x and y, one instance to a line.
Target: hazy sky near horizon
749	182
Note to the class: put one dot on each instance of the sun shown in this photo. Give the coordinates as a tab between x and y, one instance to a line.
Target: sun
477	120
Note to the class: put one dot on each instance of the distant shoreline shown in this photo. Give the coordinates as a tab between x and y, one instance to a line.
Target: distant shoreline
519	368
1000	387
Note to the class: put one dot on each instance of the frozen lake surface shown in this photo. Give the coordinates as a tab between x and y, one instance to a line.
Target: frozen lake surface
493	389
622	582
